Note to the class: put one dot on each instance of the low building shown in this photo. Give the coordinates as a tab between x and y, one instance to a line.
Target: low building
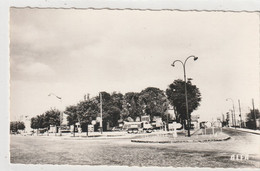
195	121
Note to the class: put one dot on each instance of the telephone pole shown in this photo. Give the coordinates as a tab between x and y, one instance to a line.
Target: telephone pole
101	124
233	109
232	117
254	113
240	113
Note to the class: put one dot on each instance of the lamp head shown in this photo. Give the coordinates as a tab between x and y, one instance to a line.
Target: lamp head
173	65
195	58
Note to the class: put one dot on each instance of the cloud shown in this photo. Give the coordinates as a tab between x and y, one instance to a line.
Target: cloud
35	70
88	51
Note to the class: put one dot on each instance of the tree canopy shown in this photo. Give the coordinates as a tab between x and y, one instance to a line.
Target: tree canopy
131	106
176	96
16	125
153	102
251	118
118	107
50	117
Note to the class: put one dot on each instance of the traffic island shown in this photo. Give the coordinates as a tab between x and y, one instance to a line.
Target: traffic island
192	139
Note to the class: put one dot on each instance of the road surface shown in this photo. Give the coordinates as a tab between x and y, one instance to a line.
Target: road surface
123	152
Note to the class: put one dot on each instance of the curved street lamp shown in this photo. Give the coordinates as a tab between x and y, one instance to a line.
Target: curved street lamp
185	80
233	109
60	112
55	96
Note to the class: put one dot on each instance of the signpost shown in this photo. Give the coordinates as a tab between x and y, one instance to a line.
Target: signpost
175	125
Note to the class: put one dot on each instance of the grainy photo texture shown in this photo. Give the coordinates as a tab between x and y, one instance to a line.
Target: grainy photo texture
134	88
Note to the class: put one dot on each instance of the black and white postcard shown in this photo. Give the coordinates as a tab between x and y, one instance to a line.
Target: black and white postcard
134	87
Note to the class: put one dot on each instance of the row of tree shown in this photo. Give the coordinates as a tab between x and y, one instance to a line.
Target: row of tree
250	122
252	118
117	107
45	120
15	126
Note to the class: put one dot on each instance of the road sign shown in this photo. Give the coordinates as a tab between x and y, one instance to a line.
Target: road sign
90	128
98	119
176	125
93	122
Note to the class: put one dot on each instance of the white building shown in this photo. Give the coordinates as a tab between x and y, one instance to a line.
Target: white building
27	123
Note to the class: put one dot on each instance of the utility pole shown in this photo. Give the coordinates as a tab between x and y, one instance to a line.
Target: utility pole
167	127
228	119
101	124
240	113
233	109
232	117
61	114
254	112
223	121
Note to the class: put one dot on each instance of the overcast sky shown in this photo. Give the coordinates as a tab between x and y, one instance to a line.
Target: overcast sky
74	52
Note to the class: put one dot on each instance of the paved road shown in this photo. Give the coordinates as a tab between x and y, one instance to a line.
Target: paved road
120	151
244	142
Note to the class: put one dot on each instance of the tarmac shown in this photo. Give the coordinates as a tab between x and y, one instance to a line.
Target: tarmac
158	136
247	130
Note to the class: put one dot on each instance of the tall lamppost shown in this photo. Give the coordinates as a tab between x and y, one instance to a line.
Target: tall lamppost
185	80
60	112
233	109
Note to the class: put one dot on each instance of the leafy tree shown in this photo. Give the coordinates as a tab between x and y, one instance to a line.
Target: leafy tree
39	122
131	106
115	108
153	102
111	108
21	125
16	125
83	113
124	112
13	127
113	115
227	119
86	112
72	116
251	118
34	123
116	100
52	117
176	96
